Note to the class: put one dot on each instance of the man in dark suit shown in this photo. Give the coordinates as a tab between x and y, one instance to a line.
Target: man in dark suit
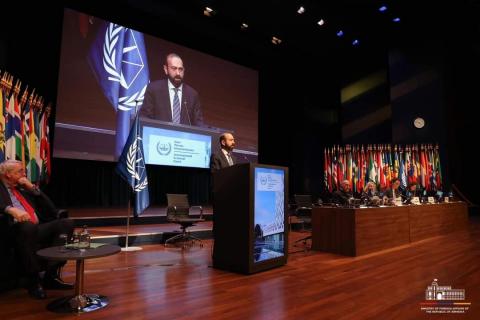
394	194
32	224
171	99
343	195
224	158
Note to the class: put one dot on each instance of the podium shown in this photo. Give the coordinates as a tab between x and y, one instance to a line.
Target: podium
249	217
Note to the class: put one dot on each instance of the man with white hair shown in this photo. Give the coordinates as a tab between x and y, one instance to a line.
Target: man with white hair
32	224
343	195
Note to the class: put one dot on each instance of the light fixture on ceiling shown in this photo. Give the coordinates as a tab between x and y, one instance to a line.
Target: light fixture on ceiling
276	40
321	22
355	42
396	19
340	33
301	10
244	26
382	9
209	12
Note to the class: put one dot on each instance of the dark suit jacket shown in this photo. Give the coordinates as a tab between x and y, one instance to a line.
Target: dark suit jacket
341	197
44	207
156	104
219	161
389	193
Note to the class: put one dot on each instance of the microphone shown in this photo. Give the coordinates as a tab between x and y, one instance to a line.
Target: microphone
188	114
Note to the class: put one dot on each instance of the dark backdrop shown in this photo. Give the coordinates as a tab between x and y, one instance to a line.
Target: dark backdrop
300	109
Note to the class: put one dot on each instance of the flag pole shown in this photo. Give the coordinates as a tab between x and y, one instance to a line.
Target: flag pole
127	248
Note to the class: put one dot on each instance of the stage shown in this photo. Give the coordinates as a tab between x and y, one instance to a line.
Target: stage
168	283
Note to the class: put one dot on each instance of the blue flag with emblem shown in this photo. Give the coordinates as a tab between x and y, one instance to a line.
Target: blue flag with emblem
131	167
119	60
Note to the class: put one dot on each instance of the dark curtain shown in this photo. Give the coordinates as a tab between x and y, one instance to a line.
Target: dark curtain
84	183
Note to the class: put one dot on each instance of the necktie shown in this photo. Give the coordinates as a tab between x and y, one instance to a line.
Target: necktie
26	205
176	107
230	160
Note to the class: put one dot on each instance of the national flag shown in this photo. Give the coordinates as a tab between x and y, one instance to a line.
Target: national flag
372	171
2	124
131	167
402	174
119	60
335	180
438	169
45	146
10	138
33	167
325	169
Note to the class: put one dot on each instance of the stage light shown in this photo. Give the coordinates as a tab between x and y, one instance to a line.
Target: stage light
244	26
397	19
355	42
276	40
321	22
209	12
301	10
382	9
339	33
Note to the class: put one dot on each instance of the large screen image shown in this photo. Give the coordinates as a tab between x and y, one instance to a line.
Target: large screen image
269	214
108	72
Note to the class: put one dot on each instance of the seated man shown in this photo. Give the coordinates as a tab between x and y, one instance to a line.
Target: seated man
411	192
394	194
343	195
33	224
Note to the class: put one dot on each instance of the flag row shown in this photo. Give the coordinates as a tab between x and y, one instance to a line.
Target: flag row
24	129
360	164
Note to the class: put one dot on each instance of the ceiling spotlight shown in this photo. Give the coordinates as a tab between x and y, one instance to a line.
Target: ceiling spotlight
321	22
355	42
397	19
208	12
244	26
301	10
382	9
339	33
276	40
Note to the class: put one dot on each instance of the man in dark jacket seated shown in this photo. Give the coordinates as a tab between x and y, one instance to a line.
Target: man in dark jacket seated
343	195
32	224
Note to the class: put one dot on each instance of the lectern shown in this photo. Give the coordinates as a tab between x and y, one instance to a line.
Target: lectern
249	217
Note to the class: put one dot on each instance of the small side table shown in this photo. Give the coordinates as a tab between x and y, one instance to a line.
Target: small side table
80	302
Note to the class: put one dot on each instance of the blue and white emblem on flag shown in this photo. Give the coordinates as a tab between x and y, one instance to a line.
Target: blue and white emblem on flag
119	60
131	167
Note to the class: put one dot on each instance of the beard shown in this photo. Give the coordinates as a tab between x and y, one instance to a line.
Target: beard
176	81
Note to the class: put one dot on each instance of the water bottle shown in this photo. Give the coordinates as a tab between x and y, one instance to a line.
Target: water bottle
75	239
85	238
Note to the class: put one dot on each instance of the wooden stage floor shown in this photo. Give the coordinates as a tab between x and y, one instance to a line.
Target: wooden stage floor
168	283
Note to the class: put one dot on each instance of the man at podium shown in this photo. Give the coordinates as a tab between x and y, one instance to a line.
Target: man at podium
224	158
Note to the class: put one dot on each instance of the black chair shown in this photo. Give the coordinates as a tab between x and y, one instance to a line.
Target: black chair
178	211
303	212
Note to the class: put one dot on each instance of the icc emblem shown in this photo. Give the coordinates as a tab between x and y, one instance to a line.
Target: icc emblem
263	180
164	149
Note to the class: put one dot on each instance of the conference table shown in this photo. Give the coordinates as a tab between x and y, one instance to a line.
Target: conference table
359	231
